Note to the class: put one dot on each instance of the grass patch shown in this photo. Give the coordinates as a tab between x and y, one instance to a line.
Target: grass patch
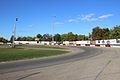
8	54
37	46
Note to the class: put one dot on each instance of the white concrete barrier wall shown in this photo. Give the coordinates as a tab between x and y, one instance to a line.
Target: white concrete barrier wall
98	43
115	46
25	42
45	42
1	42
92	45
82	45
82	42
101	43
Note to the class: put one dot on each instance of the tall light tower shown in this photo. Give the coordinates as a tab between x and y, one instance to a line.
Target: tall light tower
14	33
53	26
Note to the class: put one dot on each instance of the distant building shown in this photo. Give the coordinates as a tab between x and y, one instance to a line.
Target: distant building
37	39
1	42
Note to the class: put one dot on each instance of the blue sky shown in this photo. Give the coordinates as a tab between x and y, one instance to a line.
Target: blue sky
77	16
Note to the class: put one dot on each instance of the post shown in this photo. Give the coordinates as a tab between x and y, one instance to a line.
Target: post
53	29
14	33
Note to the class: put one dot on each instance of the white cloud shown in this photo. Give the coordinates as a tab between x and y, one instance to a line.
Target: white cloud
88	17
105	16
59	23
93	19
30	26
71	20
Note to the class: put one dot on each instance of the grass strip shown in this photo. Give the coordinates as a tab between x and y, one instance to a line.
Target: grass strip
8	54
37	46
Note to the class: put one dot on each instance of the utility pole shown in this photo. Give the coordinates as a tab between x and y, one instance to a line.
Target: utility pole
53	26
14	33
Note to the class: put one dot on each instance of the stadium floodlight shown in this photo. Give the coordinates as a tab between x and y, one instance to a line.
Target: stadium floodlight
14	33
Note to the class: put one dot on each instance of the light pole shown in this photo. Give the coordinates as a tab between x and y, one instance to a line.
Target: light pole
54	17
14	33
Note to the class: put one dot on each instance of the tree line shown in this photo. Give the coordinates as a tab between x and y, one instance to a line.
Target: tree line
97	33
3	40
57	37
105	33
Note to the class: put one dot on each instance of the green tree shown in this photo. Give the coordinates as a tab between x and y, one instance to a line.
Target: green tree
3	40
82	37
105	33
64	37
115	32
11	39
76	37
97	33
47	37
39	36
19	39
24	38
28	38
57	37
70	36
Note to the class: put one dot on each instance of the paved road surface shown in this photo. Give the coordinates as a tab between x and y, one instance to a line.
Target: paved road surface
93	64
32	64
